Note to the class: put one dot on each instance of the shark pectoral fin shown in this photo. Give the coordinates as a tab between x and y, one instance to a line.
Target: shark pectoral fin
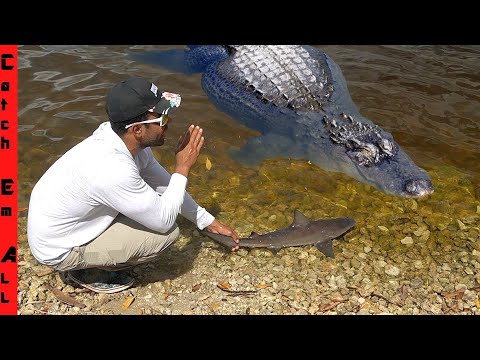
267	146
332	229
326	247
274	250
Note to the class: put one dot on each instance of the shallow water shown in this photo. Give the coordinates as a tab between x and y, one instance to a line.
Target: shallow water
426	96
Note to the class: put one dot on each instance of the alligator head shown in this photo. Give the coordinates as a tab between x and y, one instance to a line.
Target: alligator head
371	155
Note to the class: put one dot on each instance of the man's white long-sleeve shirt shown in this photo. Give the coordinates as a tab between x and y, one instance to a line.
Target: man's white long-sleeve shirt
80	195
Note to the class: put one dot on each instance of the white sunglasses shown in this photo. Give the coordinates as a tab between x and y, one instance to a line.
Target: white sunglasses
162	120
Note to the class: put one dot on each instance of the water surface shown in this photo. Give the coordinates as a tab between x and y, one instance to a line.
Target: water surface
426	96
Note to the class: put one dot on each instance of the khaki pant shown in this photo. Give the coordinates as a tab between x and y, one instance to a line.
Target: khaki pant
124	244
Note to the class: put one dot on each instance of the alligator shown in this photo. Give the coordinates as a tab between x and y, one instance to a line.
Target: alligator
297	98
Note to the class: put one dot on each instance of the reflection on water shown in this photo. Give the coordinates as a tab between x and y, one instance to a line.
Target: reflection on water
426	96
44	132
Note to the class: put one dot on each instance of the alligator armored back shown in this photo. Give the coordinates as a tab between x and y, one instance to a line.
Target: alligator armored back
297	98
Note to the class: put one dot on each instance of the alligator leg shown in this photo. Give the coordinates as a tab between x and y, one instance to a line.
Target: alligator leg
267	146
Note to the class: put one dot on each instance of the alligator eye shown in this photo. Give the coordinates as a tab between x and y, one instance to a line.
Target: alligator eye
386	146
367	154
373	151
363	158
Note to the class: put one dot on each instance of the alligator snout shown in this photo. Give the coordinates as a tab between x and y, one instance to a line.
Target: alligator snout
418	188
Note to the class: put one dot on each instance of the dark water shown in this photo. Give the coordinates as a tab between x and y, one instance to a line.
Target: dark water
428	97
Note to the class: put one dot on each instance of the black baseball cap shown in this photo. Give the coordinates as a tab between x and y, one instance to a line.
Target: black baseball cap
135	96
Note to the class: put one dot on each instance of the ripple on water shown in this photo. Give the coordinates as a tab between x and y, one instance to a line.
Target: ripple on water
64	82
72	80
25	127
44	132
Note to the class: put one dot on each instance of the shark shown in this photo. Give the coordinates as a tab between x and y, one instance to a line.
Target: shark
303	231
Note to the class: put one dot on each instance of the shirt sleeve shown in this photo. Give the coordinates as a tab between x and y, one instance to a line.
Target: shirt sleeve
158	178
123	189
195	213
152	172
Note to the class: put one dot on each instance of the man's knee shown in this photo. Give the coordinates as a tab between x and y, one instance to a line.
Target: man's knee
135	247
173	234
176	230
158	242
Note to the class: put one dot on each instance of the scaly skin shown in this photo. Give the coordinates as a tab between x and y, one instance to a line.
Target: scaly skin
297	98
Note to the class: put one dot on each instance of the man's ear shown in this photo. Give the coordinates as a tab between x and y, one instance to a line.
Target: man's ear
137	129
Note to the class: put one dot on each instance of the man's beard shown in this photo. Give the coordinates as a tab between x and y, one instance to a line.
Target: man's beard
153	142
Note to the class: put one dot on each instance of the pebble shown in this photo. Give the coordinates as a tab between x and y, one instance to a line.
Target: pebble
407	240
418	264
294	281
392	270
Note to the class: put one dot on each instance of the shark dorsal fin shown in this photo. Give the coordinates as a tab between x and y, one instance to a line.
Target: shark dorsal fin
299	218
253	234
326	248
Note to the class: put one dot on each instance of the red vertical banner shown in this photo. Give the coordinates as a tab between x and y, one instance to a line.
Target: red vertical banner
8	179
